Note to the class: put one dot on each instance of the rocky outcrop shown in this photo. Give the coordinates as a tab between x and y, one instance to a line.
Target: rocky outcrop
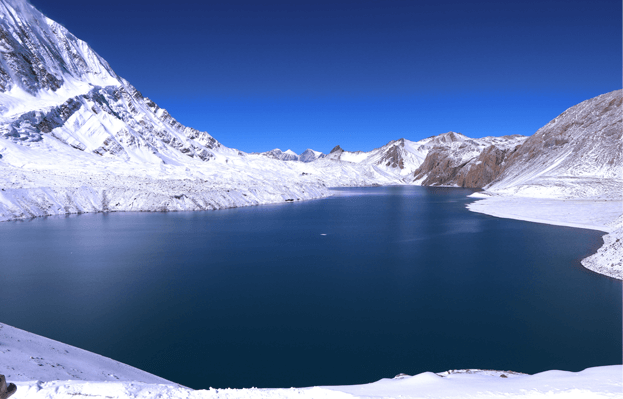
578	150
6	390
456	160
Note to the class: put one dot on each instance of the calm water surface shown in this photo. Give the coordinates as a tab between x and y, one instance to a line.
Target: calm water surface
365	285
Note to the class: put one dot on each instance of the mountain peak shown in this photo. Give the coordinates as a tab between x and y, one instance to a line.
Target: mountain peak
337	148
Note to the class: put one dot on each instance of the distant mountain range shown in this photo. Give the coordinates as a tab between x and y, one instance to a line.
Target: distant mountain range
76	137
308	155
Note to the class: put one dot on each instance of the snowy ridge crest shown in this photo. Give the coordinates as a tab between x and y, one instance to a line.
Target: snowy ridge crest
40	54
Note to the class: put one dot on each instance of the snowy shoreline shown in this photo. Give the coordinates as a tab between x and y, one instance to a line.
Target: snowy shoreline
44	368
73	194
593	214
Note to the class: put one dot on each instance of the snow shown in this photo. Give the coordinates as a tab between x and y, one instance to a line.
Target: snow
45	369
569	173
26	356
598	382
586	214
595	214
609	259
354	157
104	147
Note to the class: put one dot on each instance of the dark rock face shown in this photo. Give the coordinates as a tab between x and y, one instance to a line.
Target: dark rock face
437	169
393	157
6	391
485	168
336	149
466	165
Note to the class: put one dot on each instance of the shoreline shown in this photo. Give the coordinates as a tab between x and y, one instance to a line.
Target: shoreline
154	195
601	215
50	369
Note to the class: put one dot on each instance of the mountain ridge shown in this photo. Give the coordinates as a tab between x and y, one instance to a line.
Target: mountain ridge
65	114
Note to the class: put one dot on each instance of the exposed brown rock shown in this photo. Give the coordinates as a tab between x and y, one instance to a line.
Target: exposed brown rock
449	166
393	157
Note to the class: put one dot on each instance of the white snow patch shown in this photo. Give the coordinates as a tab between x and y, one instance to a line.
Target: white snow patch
602	215
596	382
26	356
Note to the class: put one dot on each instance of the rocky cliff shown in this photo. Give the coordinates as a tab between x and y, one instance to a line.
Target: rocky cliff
456	160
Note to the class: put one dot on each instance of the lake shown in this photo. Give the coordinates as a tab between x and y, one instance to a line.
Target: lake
364	285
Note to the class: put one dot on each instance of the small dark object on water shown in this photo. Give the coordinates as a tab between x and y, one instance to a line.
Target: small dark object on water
5	391
289	200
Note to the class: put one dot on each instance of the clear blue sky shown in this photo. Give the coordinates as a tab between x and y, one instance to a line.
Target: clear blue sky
297	74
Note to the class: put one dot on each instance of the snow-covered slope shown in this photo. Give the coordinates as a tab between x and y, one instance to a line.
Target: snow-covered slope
287	155
310	155
75	137
448	159
593	383
609	258
577	154
43	368
26	356
399	157
570	169
55	88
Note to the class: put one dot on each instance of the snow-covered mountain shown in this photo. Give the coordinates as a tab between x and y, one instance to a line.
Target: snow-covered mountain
287	155
310	155
577	154
572	165
448	159
456	160
54	86
399	157
76	137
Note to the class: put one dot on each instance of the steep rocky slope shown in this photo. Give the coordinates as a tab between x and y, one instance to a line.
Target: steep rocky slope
577	154
457	160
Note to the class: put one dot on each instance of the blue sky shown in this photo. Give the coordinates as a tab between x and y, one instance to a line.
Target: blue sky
313	74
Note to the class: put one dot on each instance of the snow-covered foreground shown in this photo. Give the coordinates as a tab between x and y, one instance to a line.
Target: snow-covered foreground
44	368
597	382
